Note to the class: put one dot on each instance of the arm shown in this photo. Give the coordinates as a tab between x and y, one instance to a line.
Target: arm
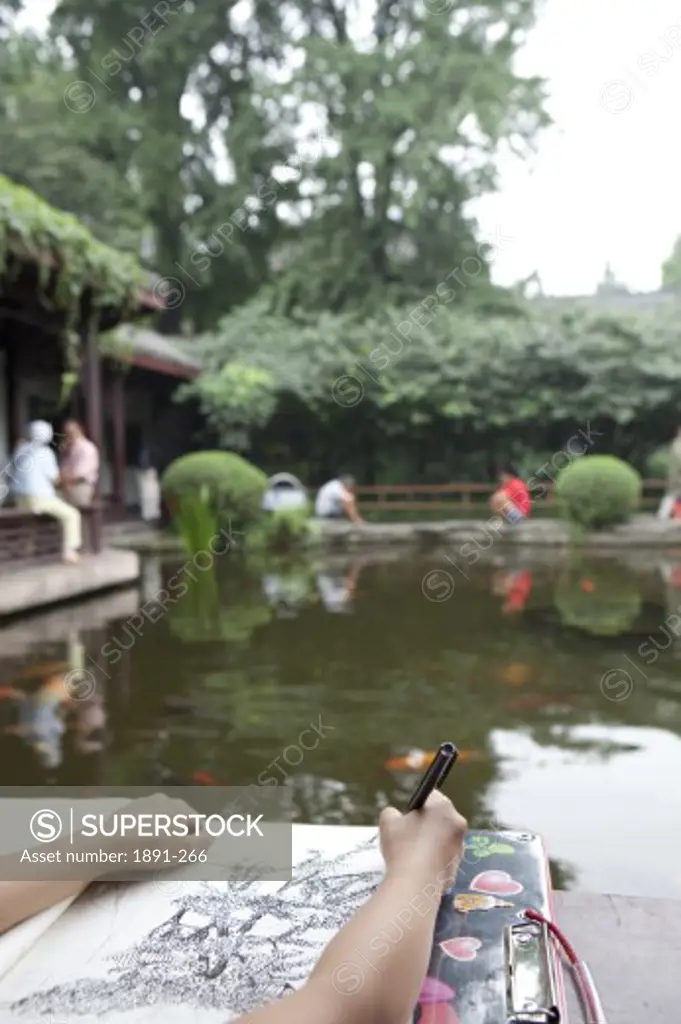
350	503
52	467
89	465
21	899
362	977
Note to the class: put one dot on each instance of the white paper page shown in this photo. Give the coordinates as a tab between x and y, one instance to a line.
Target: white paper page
177	951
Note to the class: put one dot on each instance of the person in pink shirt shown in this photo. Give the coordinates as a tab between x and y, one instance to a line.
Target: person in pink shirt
79	466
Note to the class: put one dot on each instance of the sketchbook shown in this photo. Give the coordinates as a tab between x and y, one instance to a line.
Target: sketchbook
172	951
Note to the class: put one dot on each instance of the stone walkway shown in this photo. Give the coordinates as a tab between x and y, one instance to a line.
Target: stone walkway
633	949
641	532
23	590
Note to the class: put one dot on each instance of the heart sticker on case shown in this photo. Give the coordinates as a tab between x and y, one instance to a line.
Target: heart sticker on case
464	947
496	883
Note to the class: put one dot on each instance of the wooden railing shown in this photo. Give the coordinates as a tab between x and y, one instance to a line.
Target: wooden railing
464	496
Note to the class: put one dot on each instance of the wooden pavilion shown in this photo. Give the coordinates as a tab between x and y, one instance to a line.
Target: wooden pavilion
60	289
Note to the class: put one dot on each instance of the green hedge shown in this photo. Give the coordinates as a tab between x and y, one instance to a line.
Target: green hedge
233	487
597	491
657	464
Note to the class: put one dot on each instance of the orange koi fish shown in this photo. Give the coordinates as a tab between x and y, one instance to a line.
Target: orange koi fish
418	760
53	690
518	673
45	668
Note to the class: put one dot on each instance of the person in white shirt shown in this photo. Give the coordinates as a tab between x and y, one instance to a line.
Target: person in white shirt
34	476
336	500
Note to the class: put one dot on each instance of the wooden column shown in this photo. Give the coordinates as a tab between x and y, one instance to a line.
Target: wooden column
17	398
92	390
118	455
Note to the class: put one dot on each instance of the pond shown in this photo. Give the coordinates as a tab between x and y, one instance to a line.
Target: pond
558	678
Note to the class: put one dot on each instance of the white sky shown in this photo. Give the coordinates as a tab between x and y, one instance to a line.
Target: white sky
605	183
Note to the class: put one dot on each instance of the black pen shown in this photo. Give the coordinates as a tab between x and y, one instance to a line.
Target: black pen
434	776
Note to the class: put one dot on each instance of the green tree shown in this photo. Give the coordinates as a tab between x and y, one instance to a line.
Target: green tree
367	392
610	285
183	71
78	163
671	268
408	113
347	163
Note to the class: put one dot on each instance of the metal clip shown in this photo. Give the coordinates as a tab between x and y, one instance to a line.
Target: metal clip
530	980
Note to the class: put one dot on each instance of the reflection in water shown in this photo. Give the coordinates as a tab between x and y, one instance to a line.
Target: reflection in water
515	587
604	603
54	715
599	809
337	590
220	685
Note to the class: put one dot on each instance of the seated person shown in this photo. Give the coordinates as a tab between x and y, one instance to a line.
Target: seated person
512	498
336	500
34	476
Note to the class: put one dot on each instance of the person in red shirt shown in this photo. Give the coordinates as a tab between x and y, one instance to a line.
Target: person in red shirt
512	498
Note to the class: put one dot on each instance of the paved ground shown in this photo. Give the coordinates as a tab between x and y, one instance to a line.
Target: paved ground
633	949
23	590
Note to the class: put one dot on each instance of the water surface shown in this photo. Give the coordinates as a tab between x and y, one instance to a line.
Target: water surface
557	677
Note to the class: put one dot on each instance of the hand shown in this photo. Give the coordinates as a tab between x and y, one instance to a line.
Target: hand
432	837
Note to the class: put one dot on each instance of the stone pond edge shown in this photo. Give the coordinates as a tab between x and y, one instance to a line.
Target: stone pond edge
643	531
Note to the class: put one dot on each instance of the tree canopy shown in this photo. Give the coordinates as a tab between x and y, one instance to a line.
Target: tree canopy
671	268
303	175
33	231
77	163
324	152
432	385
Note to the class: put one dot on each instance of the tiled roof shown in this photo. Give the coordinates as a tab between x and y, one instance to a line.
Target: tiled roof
148	344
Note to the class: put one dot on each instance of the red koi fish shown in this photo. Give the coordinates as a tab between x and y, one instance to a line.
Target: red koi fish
204	779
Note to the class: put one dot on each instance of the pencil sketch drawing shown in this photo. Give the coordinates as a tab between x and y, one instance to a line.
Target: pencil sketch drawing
231	949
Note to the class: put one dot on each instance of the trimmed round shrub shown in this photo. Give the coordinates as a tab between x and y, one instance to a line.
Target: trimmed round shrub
598	490
233	486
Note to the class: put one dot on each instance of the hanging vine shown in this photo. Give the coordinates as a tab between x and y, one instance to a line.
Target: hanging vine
70	262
